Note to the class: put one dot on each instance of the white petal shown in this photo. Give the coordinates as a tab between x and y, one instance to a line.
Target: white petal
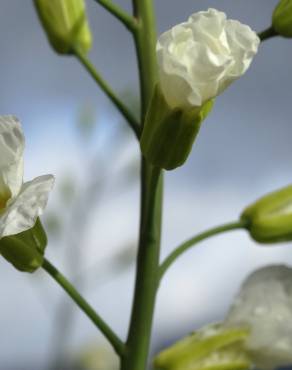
265	305
11	154
23	211
199	59
13	177
5	193
11	140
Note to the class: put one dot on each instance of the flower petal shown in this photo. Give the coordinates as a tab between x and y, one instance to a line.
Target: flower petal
23	211
11	154
11	140
200	58
13	177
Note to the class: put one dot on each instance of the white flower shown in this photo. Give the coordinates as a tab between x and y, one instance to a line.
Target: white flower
200	58
265	305
20	203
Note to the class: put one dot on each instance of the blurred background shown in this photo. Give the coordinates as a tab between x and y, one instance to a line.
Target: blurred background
72	131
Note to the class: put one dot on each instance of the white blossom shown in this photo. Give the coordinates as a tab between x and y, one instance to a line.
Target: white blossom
20	203
264	304
200	58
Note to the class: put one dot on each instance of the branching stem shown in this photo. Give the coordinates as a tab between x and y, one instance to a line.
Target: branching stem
108	91
129	21
117	344
196	239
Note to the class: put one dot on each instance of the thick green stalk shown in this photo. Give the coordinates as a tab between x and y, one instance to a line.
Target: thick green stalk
145	40
137	345
85	307
138	341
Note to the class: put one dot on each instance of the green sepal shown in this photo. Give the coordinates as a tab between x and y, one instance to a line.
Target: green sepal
65	23
212	348
269	220
169	134
282	18
25	250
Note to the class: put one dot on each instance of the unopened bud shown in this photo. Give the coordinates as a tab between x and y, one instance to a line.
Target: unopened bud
282	18
65	23
269	219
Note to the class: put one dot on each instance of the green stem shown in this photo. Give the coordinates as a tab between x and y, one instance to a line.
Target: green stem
146	272
117	344
138	340
196	239
108	91
129	21
145	41
267	34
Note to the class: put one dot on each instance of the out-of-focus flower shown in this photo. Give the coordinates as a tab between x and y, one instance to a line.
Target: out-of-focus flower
282	18
264	304
20	203
269	219
65	23
97	356
211	348
200	58
257	331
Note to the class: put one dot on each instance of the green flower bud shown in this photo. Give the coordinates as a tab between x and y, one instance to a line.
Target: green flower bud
25	250
169	134
269	219
282	18
212	348
65	24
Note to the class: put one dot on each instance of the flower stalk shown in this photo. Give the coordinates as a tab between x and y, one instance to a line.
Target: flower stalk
138	341
182	248
267	34
117	344
126	113
128	21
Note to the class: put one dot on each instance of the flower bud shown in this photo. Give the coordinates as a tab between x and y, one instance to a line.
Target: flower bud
269	220
168	133
65	24
25	250
282	18
211	348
